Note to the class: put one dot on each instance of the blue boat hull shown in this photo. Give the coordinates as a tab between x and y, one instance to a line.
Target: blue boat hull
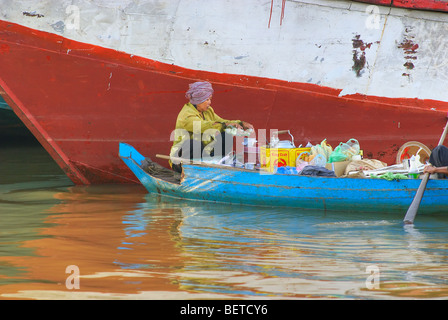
250	187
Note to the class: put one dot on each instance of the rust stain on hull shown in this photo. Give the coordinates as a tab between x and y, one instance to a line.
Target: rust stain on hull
359	55
410	51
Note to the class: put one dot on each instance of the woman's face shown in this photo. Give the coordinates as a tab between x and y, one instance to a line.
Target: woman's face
203	106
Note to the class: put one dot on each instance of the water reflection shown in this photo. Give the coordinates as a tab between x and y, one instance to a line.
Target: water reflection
130	245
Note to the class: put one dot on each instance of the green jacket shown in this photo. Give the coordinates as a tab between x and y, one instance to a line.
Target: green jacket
190	121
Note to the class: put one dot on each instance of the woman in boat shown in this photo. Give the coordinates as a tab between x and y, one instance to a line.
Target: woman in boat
439	161
199	130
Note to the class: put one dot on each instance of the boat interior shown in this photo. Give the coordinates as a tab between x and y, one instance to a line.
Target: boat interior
160	172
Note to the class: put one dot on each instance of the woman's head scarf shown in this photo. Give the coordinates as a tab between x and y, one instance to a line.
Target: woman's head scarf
199	92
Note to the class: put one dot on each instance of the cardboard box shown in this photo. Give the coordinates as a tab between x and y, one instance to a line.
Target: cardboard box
337	167
271	158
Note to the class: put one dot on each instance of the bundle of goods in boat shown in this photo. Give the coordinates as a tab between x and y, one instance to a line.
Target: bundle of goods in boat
345	151
283	157
309	170
408	169
319	159
281	153
272	158
317	162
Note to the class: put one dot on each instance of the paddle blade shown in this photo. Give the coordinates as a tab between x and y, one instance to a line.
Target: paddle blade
413	208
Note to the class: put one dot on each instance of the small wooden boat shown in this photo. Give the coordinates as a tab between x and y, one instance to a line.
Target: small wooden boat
224	184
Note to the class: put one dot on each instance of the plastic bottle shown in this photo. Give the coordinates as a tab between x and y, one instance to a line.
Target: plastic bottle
412	165
413	169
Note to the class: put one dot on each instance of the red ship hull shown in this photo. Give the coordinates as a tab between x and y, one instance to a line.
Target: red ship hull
81	100
434	5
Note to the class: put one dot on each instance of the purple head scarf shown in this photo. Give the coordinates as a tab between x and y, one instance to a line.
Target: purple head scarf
199	92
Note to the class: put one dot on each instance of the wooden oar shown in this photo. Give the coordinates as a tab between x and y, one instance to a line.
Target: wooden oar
188	161
182	160
413	208
162	156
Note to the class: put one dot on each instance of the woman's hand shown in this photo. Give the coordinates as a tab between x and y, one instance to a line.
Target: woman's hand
234	124
429	169
240	125
247	125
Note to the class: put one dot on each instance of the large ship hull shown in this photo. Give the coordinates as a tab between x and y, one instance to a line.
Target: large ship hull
379	81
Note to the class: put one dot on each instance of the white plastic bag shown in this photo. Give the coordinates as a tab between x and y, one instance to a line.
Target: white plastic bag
350	148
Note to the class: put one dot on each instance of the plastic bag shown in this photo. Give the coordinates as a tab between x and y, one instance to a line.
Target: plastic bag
302	160
350	148
285	170
345	151
317	171
318	161
323	149
303	156
337	155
